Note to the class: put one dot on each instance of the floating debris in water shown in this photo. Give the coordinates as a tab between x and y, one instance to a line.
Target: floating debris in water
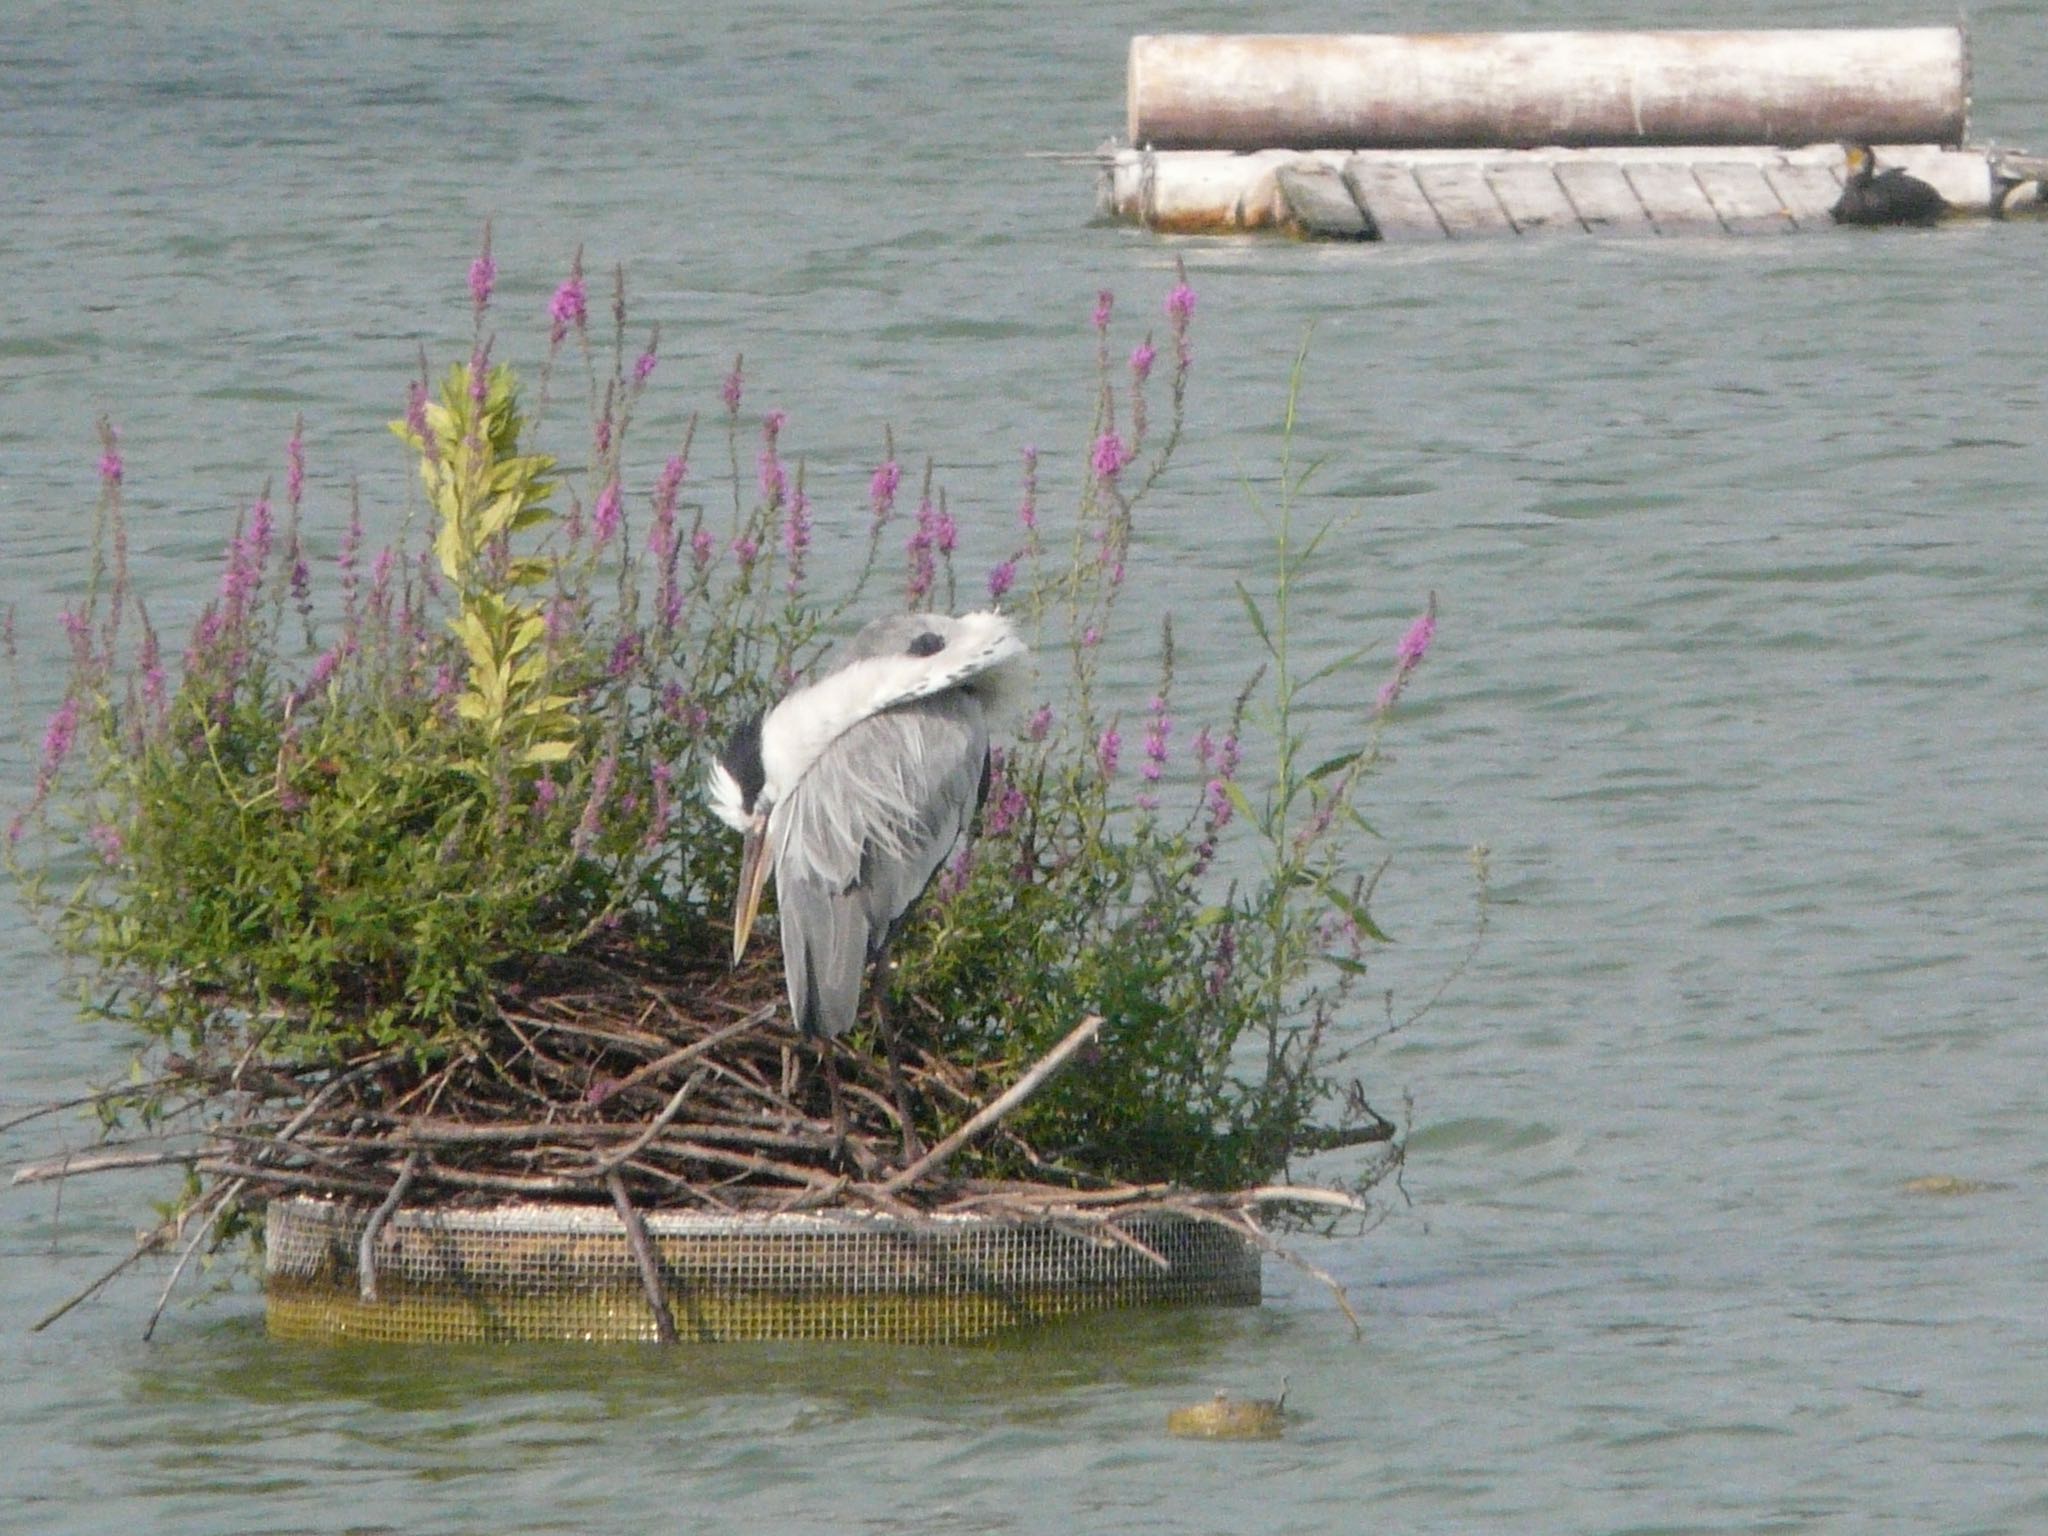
1949	1184
1225	1417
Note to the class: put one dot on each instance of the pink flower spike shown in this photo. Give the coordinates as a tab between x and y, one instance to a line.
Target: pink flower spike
1142	357
1109	457
606	516
111	468
58	737
1104	302
1001	579
1041	723
570	305
1108	748
643	366
1415	644
1180	303
483	275
295	465
882	487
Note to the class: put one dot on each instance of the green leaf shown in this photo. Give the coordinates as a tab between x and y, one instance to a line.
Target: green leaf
1251	609
1355	910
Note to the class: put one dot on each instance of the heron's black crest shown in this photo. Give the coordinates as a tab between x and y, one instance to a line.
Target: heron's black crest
742	759
927	644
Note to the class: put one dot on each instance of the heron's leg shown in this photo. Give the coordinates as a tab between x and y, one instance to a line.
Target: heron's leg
913	1147
828	1056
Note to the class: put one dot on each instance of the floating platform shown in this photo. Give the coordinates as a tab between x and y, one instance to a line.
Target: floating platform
536	1271
1461	136
1432	195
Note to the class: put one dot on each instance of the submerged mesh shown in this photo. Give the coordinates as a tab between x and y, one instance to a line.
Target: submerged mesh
532	1271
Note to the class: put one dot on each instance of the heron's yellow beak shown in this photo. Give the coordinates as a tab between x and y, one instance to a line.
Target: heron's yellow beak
753	876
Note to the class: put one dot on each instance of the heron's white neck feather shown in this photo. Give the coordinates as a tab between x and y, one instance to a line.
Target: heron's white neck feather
804	724
726	800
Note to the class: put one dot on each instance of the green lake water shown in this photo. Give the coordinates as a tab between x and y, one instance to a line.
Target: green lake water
1738	547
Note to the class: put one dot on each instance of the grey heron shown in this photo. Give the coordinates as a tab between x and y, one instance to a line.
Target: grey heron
855	789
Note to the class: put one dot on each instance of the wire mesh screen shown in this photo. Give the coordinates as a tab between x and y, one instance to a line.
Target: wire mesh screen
534	1271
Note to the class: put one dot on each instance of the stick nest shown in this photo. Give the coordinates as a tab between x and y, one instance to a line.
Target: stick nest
609	1078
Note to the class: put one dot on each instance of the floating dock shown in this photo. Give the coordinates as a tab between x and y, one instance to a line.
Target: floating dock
1458	136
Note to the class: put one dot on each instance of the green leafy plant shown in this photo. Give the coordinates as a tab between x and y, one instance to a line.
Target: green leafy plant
350	833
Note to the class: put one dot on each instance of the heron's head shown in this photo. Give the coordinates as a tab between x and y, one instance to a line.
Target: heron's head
740	799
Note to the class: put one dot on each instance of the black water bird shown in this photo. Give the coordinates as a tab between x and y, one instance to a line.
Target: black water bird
1872	196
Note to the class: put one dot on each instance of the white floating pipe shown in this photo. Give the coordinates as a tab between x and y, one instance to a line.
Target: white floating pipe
1524	90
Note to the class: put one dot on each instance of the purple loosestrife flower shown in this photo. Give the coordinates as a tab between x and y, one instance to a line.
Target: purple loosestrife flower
58	737
923	567
958	871
295	466
483	275
773	477
111	468
593	808
1109	458
748	549
734	385
1142	357
1027	511
702	547
607	516
1091	637
149	661
1409	653
106	842
625	655
480	374
882	487
1040	725
445	682
1180	310
1221	807
561	618
1415	644
643	365
545	793
1108	748
658	814
796	538
1001	579
1224	965
322	673
662	541
1005	808
667	483
571	304
1104	302
1156	736
416	421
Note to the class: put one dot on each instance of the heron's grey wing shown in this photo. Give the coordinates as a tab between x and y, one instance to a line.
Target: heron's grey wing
861	837
824	955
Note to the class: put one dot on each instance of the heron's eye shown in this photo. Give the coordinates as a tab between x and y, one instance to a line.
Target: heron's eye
927	644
